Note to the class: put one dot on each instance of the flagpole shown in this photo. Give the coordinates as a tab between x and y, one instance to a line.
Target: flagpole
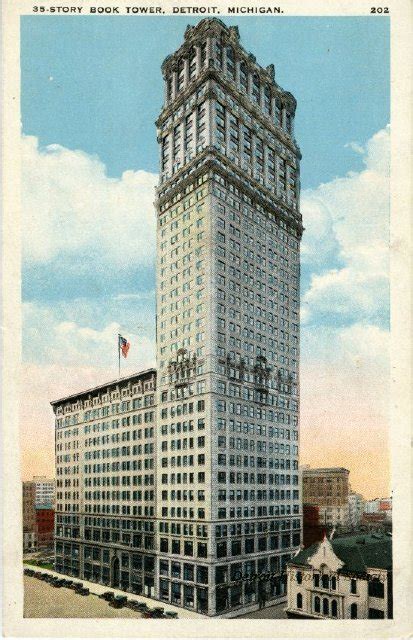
119	353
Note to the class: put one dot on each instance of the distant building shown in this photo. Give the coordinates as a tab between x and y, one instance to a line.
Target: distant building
376	522
348	577
379	505
328	489
313	531
29	517
45	526
355	509
45	490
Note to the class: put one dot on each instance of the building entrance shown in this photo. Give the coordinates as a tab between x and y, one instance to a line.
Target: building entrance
115	573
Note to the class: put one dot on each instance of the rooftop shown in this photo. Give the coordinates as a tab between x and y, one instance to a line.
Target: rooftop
358	552
321	470
106	385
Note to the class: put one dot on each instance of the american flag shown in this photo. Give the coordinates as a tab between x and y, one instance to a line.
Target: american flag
123	346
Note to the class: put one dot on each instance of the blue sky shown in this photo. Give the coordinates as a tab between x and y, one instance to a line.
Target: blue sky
91	90
106	90
94	84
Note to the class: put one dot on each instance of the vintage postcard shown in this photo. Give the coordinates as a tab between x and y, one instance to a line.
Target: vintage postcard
206	250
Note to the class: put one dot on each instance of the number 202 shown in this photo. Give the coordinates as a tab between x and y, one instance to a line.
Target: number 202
379	10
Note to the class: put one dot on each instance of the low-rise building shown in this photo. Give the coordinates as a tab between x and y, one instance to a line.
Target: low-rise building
348	577
379	505
29	517
45	526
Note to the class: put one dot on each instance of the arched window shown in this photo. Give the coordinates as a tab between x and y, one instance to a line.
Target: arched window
243	75
299	577
317	604
203	53
334	583
218	52
334	608
192	63
289	122
299	601
278	112
353	611
256	87
267	99
326	607
325	581
181	74
169	88
230	62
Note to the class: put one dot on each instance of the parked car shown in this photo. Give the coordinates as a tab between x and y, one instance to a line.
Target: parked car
137	606
83	592
118	602
107	595
58	583
170	614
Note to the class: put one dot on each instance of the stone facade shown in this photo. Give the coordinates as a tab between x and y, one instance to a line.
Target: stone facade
105	483
229	230
346	578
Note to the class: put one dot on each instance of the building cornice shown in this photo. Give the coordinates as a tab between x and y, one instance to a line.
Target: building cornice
113	384
211	159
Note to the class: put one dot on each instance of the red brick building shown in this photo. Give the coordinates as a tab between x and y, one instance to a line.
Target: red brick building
45	526
313	531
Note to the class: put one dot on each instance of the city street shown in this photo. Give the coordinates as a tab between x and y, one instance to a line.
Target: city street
276	611
42	600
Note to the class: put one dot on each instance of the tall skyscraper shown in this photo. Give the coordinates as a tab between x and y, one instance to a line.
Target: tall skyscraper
229	230
183	483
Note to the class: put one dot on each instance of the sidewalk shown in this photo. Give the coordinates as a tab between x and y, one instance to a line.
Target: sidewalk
98	589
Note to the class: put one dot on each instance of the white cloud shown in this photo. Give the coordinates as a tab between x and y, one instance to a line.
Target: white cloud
69	343
356	147
347	219
147	295
70	206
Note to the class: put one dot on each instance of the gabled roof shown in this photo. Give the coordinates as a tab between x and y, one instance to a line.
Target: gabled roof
357	552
